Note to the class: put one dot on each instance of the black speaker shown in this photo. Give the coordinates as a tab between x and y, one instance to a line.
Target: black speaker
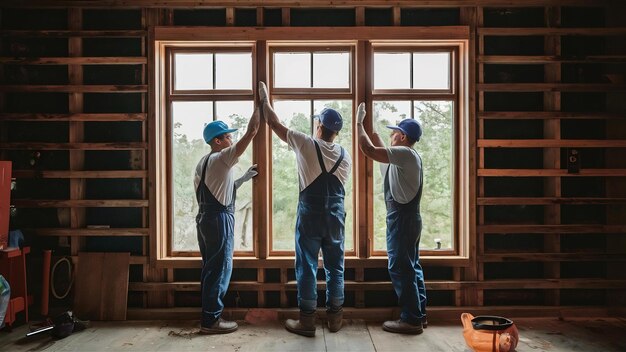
573	161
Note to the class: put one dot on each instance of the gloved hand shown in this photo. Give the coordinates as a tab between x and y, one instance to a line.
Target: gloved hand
360	113
263	95
246	176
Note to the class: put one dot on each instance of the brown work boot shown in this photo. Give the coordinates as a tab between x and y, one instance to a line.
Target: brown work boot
305	326
402	327
220	326
335	320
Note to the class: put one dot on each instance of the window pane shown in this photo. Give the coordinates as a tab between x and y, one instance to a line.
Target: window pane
345	140
431	70
237	115
285	187
385	113
331	70
188	147
392	70
292	70
193	71
436	149
233	71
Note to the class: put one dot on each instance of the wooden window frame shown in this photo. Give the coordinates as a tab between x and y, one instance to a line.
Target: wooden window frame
416	95
314	94
366	38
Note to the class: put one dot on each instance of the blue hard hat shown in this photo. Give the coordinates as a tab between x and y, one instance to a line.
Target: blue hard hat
215	129
409	127
330	119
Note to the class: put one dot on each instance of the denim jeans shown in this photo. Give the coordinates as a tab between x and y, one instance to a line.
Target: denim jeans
403	236
320	227
216	241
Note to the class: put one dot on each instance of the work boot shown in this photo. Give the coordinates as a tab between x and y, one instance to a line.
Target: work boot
305	326
220	326
335	319
402	327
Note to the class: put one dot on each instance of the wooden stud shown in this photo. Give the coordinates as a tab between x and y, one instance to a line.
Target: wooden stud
286	16
230	16
397	15
359	16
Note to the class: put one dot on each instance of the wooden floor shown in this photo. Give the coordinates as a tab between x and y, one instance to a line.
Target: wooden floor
543	334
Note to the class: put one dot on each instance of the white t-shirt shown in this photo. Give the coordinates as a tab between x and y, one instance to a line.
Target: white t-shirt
404	167
219	176
306	156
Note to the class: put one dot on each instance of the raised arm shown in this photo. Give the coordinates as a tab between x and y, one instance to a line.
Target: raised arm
378	153
270	114
253	128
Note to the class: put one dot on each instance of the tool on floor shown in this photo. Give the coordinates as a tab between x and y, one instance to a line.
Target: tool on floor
61	326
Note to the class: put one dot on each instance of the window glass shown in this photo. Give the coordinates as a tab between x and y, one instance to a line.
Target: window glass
193	71
436	149
296	115
188	147
292	70
233	71
331	70
392	70
431	70
237	114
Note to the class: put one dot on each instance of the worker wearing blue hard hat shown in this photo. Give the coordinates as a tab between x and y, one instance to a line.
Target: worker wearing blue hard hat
323	170
216	189
403	183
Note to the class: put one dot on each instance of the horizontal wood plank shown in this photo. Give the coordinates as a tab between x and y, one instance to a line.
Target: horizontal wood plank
546	115
305	33
74	146
292	3
73	117
288	262
75	88
562	229
80	174
550	173
90	232
80	203
386	285
73	33
551	257
551	143
547	200
550	87
549	59
114	60
525	31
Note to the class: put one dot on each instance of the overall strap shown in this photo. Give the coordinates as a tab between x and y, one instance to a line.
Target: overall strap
319	156
338	162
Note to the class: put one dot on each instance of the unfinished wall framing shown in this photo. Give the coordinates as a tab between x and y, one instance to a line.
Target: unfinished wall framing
547	82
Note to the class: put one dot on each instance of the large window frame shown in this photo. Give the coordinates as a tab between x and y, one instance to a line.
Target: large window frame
413	95
362	41
313	94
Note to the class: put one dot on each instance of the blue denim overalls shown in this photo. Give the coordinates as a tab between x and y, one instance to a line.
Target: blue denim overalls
320	224
215	224
404	228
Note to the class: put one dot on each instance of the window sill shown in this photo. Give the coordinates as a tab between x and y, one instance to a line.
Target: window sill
288	262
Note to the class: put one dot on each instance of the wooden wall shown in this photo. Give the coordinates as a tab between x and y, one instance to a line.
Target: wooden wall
547	82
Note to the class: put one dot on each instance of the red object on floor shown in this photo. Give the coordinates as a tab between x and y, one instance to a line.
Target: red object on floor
13	268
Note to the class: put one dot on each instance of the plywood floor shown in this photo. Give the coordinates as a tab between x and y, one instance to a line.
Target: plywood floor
543	334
